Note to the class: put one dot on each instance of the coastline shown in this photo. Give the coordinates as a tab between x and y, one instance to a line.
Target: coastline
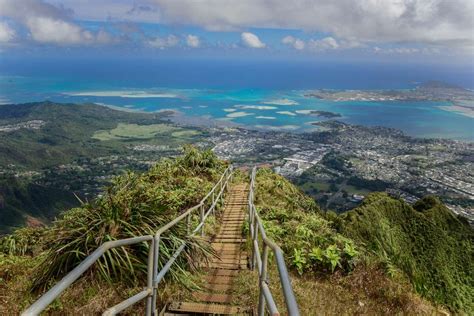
458	109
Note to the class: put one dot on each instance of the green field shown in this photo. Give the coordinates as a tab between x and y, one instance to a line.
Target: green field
125	131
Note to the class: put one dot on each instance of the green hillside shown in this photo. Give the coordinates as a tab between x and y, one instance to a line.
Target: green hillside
76	148
384	257
68	133
427	242
23	203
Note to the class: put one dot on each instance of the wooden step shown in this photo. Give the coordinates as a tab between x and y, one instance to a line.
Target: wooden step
213	287
219	279
191	307
228	236
230	261
227	266
221	246
230	240
213	297
221	272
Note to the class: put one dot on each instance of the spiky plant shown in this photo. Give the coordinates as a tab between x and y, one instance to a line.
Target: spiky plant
134	205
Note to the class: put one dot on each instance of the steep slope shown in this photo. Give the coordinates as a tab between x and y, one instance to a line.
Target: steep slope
428	243
28	204
136	204
332	273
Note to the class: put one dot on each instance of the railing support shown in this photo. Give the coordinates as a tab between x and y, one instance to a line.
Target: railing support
260	262
262	281
156	258
153	275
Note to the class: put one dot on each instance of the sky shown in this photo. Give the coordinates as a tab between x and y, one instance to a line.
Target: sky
437	31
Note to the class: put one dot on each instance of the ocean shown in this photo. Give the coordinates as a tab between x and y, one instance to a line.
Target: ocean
260	94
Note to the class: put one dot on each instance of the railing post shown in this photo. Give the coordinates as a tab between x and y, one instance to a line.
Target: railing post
255	244
202	219
262	279
156	258
188	224
149	283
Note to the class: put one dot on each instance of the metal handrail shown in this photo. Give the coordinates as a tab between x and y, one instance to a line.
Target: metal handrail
153	275
260	260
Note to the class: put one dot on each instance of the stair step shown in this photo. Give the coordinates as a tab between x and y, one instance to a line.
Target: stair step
222	272
230	261
225	248
227	266
220	246
230	240
213	297
219	279
228	236
213	287
232	256
231	229
191	307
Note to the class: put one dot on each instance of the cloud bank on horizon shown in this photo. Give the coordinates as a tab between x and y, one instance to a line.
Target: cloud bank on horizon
298	26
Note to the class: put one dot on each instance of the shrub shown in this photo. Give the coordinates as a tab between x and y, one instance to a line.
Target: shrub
295	222
426	242
134	205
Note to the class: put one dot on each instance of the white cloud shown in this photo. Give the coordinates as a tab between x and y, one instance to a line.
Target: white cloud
164	42
297	43
193	41
406	50
48	30
326	43
7	34
426	21
251	40
49	24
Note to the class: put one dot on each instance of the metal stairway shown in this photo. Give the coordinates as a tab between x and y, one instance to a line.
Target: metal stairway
217	298
220	275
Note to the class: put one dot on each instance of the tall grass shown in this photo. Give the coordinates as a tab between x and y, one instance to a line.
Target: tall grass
294	221
134	205
430	245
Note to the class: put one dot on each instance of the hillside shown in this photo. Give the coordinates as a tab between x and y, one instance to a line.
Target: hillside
428	243
68	132
56	151
25	203
384	257
334	274
135	204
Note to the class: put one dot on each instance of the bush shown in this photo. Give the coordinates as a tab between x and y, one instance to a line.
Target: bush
295	222
428	243
134	205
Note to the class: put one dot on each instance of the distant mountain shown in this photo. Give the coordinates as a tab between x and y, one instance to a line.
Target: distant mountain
65	133
439	85
50	151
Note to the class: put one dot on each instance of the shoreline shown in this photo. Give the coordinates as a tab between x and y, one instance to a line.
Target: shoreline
458	109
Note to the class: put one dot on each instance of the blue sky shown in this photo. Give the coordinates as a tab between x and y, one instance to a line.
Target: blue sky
348	30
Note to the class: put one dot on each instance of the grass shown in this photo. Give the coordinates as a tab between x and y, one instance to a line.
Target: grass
134	131
426	242
134	205
331	271
295	222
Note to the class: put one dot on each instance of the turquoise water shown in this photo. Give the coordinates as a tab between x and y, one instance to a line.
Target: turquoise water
261	108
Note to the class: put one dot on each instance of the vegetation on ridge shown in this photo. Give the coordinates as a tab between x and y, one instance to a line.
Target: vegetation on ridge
428	243
356	285
135	205
295	223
